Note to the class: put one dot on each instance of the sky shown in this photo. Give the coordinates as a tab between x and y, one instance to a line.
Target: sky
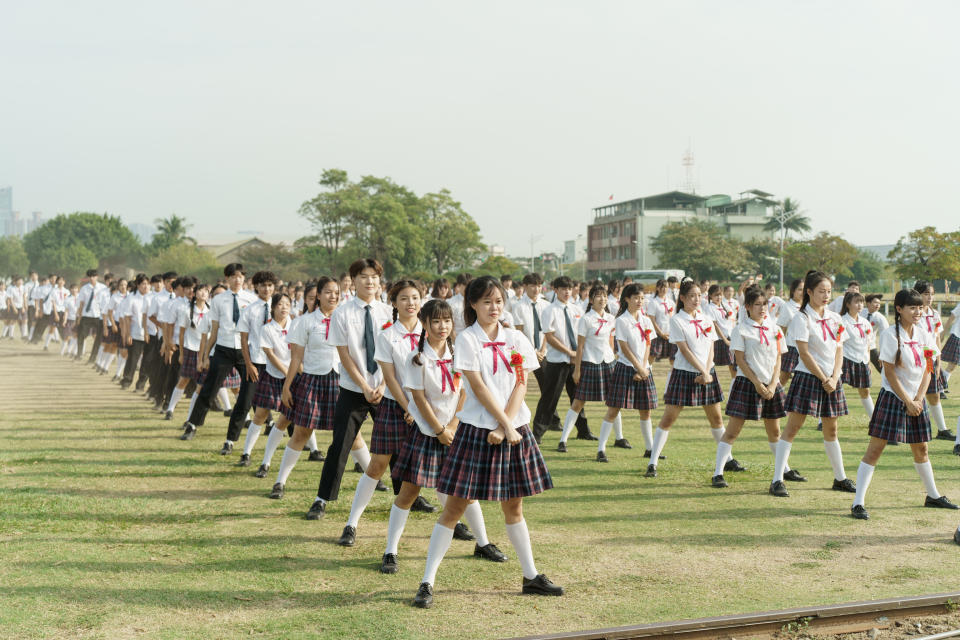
530	113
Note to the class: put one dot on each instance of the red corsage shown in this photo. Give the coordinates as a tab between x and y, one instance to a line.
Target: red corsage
387	325
729	314
839	331
937	326
779	336
928	354
868	329
456	380
516	361
708	330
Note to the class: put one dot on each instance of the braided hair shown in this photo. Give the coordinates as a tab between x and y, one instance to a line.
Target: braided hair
904	298
434	309
397	288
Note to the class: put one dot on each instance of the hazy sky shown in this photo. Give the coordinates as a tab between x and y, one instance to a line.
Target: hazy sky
531	113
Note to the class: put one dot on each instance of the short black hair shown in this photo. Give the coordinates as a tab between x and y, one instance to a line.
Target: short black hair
169	275
532	278
156	278
873	296
562	281
90	273
233	268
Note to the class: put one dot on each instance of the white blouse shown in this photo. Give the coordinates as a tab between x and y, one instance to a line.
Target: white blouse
438	381
394	344
273	336
596	331
760	345
857	346
698	334
637	333
913	356
312	332
823	334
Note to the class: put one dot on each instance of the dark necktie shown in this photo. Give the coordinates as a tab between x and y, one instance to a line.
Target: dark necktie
368	345
571	339
537	328
86	309
266	312
236	310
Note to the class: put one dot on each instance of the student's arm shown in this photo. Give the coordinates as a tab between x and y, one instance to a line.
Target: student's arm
296	359
834	379
146	333
275	361
915	404
252	374
692	359
803	349
205	343
372	395
183	332
559	346
490	404
752	376
776	373
640	371
444	435
656	328
578	358
390	378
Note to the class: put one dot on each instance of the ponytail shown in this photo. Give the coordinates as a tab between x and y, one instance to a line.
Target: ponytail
810	282
896	324
684	290
423	339
626	293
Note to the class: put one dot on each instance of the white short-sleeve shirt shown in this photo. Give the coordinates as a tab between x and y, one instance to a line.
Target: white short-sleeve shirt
636	333
193	330
435	376
857	345
553	320
393	345
931	323
822	335
312	332
523	309
955	327
697	332
134	311
474	352
724	319
760	346
879	324
274	337
253	319
661	310
221	312
84	296
596	331
913	359
346	330
456	306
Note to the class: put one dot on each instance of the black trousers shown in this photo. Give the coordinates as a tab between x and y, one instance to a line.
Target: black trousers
157	373
85	327
43	322
151	351
554	419
222	360
352	409
557	376
134	351
171	375
241	408
875	359
97	339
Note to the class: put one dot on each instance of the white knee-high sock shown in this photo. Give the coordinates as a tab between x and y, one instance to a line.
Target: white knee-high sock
936	412
361	498
474	517
659	441
723	452
773	450
957	439
646	428
224	397
287	463
946	375
717	434
864	476
439	543
867	405
121	363
618	426
312	441
46	342
605	429
361	456
253	433
273	441
520	539
175	396
835	455
193	401
73	346
64	346
568	423
442	499
780	460
398	520
108	360
926	474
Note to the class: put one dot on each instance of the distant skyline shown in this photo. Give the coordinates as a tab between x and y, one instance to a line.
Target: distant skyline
531	113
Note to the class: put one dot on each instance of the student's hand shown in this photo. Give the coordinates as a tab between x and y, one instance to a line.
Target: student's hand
146	338
286	398
253	375
914	408
761	389
203	363
408	418
445	437
829	385
495	436
699	379
128	341
767	392
541	355
513	436
707	378
576	375
106	332
167	356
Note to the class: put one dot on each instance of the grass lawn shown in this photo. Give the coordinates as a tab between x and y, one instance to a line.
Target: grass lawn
110	527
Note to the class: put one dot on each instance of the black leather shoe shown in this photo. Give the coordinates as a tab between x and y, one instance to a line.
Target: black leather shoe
648	453
188	432
489	552
541	586
317	510
956	449
227	413
277	492
602	457
733	465
227	448
857	511
357	468
651	471
586	436
717	482
316	456
461	532
348	538
845	485
168	415
420	504
956	535
779	489
939	503
244	460
389	563
380	486
794	476
562	447
424	597
622	443
262	471
946	434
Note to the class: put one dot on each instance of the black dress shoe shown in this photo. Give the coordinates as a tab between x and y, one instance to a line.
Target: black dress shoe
779	489
956	536
648	453
733	465
622	443
857	511
845	485
357	468
349	537
420	504
562	447
819	426
489	552
424	597
244	460
602	457
380	486
794	476
188	432
262	471
227	412
946	434
586	436
227	448
316	456
956	449
461	532
168	415
277	492
317	510
939	503
651	471
389	563
541	586
717	482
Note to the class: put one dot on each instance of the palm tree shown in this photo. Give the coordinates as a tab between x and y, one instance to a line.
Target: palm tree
798	223
171	231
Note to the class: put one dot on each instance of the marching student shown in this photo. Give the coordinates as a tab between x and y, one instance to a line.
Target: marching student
103	297
191	325
692	381
151	347
856	348
660	309
346	287
723	323
159	316
816	390
39	297
90	313
631	384
593	370
169	315
930	322
456	300
506	281
836	305
112	342
479	464
774	302
17	297
527	313
133	334
613	297
69	345
878	324
790	307
908	353
437	395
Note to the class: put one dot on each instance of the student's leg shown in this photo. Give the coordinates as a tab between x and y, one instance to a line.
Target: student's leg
670	414
220	364
554	377
568	422
725	445
367	485
794	422
832	447
352	408
253	431
866	401
936	414
238	416
866	468
583	429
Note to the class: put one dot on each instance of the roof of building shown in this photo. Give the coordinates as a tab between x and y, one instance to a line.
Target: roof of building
219	250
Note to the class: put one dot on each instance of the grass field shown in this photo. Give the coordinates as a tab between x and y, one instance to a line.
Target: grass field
110	527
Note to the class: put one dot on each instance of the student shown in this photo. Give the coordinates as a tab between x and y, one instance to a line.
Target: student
856	348
70	323
90	312
593	370
660	309
527	316
168	315
816	389
723	323
693	381
837	304
631	384
774	302
878	324
440	290
437	395
111	328
189	330
479	465
789	360
613	297
456	300
756	393
559	321
930	322
132	327
673	290
908	353
506	281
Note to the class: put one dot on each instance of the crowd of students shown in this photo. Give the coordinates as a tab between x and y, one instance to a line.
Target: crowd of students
444	372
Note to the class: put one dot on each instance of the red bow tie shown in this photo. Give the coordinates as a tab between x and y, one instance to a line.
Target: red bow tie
825	328
326	333
497	352
917	360
763	333
445	375
698	330
414	340
860	329
600	323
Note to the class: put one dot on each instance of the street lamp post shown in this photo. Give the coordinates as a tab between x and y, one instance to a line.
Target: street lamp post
533	239
782	217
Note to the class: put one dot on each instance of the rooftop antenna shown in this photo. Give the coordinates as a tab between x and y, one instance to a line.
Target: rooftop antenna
689	184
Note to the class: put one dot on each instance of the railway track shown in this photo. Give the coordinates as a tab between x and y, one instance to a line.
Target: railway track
849	617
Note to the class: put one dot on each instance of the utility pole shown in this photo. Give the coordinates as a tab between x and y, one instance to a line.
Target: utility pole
782	217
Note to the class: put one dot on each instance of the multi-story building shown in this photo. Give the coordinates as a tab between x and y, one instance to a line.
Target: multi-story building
6	211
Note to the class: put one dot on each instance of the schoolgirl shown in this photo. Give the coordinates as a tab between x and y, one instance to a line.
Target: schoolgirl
593	369
723	323
613	297
631	384
660	309
774	302
692	381
346	287
789	360
856	348
878	324
192	322
908	353
111	327
69	345
456	300
756	393
836	305
440	289
437	395
816	389
15	296
392	422
930	322
133	329
479	464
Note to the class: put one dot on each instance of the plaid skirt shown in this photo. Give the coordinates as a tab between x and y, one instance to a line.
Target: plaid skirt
938	383
594	381
682	391
420	459
856	374
789	360
267	394
188	364
951	350
661	348
627	393
390	430
314	400
232	381
477	470
891	422
70	329
746	403
110	338
807	397
721	354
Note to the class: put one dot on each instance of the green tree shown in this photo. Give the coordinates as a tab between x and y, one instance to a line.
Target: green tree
825	252
701	248
170	231
927	254
389	227
286	262
798	223
103	236
13	257
187	258
71	261
763	256
452	235
497	266
867	267
330	212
